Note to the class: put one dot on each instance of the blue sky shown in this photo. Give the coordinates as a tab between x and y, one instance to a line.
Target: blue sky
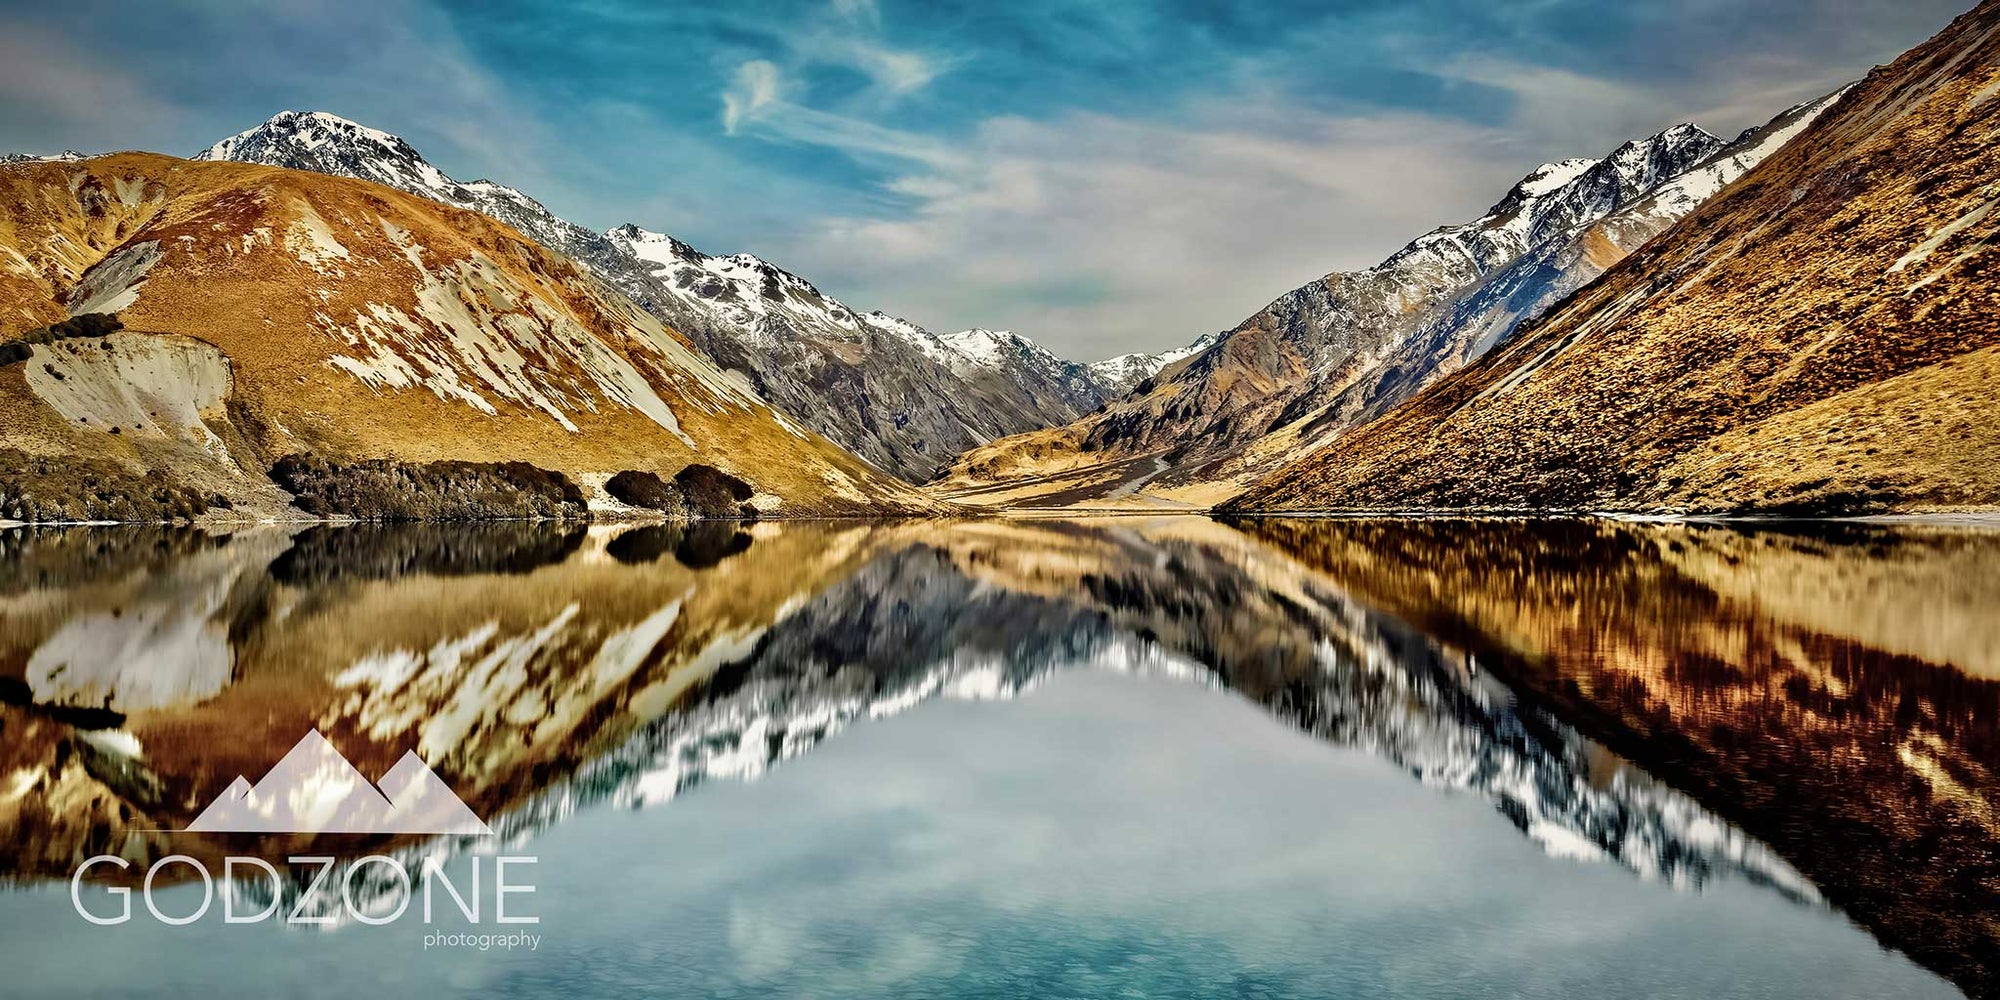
1102	177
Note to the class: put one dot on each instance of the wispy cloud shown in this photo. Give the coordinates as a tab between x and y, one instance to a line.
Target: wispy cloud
895	71
1099	234
754	90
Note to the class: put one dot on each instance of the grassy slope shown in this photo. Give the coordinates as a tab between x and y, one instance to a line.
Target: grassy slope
241	269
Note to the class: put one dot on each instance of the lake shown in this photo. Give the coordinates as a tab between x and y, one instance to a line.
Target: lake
1140	756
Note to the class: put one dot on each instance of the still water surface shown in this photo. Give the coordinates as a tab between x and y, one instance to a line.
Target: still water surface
1128	757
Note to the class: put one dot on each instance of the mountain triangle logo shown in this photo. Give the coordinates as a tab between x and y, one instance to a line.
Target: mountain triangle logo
314	789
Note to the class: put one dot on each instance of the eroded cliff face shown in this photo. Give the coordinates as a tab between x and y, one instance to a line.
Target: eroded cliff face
270	312
1816	339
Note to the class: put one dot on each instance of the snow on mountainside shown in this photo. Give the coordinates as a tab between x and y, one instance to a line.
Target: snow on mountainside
1007	351
1197	420
1123	373
885	389
1489	313
748	291
66	156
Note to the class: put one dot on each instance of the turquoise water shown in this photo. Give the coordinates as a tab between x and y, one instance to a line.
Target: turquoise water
1107	835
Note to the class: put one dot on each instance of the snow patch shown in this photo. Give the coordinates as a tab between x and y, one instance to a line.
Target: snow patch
312	240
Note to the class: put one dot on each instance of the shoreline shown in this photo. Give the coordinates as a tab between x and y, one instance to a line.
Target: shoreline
1970	518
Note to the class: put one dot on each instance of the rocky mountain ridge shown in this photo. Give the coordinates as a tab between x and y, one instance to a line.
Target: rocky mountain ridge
893	393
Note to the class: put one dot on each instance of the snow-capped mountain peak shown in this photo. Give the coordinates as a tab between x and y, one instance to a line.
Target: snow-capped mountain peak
66	156
647	245
329	144
982	346
1551	176
1125	372
1006	352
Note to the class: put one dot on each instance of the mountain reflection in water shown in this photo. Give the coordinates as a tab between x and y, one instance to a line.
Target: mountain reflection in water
1815	714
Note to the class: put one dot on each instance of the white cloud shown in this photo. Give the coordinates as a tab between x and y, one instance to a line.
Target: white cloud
1099	235
895	71
755	89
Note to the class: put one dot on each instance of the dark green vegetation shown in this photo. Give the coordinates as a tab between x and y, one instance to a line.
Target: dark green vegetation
698	491
76	488
17	349
384	489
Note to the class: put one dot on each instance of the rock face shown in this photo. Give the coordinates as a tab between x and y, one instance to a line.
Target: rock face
905	399
1817	339
1350	346
272	312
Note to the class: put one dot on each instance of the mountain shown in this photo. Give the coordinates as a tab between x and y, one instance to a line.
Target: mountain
1346	347
1491	311
905	398
885	389
66	156
1816	339
369	348
1125	372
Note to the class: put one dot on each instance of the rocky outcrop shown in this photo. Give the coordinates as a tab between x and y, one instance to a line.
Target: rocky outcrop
387	490
698	491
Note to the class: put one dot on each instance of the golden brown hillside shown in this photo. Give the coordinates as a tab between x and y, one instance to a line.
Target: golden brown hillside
270	312
1820	338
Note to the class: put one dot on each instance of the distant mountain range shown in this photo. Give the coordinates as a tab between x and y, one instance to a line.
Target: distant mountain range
900	396
1352	345
1793	321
